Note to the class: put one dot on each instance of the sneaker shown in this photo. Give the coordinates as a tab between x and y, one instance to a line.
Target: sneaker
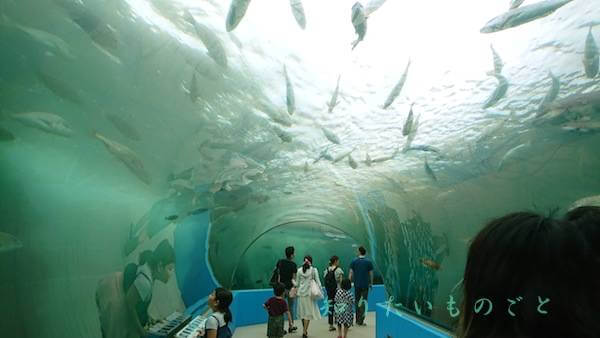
292	329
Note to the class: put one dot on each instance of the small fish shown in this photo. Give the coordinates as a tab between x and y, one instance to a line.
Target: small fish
59	88
298	11
127	156
515	3
386	158
409	122
423	148
334	101
194	90
521	15
511	153
324	154
359	21
47	122
9	242
171	218
331	136
372	6
352	162
197	211
498	93
429	171
210	40
343	155
428	263
124	127
290	99
550	95
5	135
397	88
591	59
368	160
287	192
282	134
237	10
498	64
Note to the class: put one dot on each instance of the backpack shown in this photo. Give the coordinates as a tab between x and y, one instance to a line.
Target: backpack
330	282
223	331
275	277
129	275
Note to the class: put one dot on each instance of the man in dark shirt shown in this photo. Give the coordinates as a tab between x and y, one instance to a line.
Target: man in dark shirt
361	273
287	276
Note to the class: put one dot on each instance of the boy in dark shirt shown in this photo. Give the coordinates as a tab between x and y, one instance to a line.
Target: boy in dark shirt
276	306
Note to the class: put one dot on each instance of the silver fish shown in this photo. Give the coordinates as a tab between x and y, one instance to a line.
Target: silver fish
550	95
386	158
498	93
359	21
9	242
47	122
290	99
127	156
409	122
590	56
324	154
124	127
282	134
429	171
210	40
397	88
423	148
583	104
237	10
331	136
515	3
298	11
343	155
334	101
511	153
518	16
498	64
352	162
372	6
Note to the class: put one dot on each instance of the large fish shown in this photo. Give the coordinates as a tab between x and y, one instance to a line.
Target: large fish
9	242
522	15
210	40
237	9
47	122
289	89
359	21
409	122
515	3
590	56
6	135
498	64
397	88
334	98
429	171
59	88
498	93
127	156
372	6
331	136
298	11
582	104
550	95
124	127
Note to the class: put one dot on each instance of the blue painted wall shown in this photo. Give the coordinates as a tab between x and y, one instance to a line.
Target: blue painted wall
396	324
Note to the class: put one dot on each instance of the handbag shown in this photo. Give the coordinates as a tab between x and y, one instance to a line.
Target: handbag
275	276
315	291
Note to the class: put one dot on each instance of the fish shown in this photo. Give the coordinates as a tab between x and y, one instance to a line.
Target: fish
368	160
423	148
334	101
521	15
236	12
59	88
194	92
550	95
586	201
428	263
582	125
9	242
386	158
429	171
124	127
127	156
171	218
582	104
211	41
397	88
290	99
324	154
352	162
591	59
511	153
498	93
372	6
282	134
515	3
181	185
47	122
6	135
359	21
343	155
498	64
184	175
330	136
409	122
298	11
260	199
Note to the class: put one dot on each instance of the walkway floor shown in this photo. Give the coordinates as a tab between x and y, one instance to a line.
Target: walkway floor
319	329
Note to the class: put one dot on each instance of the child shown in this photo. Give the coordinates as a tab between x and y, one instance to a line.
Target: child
217	322
344	305
277	306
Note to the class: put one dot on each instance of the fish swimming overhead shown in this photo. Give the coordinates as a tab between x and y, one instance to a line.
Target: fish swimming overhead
6	135
498	93
511	153
518	16
582	125
47	122
352	162
397	88
550	95
59	88
331	136
9	242
409	122
290	99
423	148
124	127
194	92
282	134
429	171
498	64
428	263
334	101
171	218
127	156
210	40
515	3
359	21
237	10
583	104
343	155
591	60
298	11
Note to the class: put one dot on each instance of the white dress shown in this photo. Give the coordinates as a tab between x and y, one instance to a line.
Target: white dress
307	307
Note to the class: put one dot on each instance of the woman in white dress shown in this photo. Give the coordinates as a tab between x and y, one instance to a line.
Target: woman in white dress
307	307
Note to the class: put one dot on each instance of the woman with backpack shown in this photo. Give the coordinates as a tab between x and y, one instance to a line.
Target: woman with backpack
333	276
308	308
217	323
123	297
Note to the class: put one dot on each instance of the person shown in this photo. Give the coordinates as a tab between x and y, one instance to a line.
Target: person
333	276
361	273
217	323
307	307
123	298
276	306
344	301
287	275
527	275
587	220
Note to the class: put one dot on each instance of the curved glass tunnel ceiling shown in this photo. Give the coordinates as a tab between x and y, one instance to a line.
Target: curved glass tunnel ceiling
204	115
